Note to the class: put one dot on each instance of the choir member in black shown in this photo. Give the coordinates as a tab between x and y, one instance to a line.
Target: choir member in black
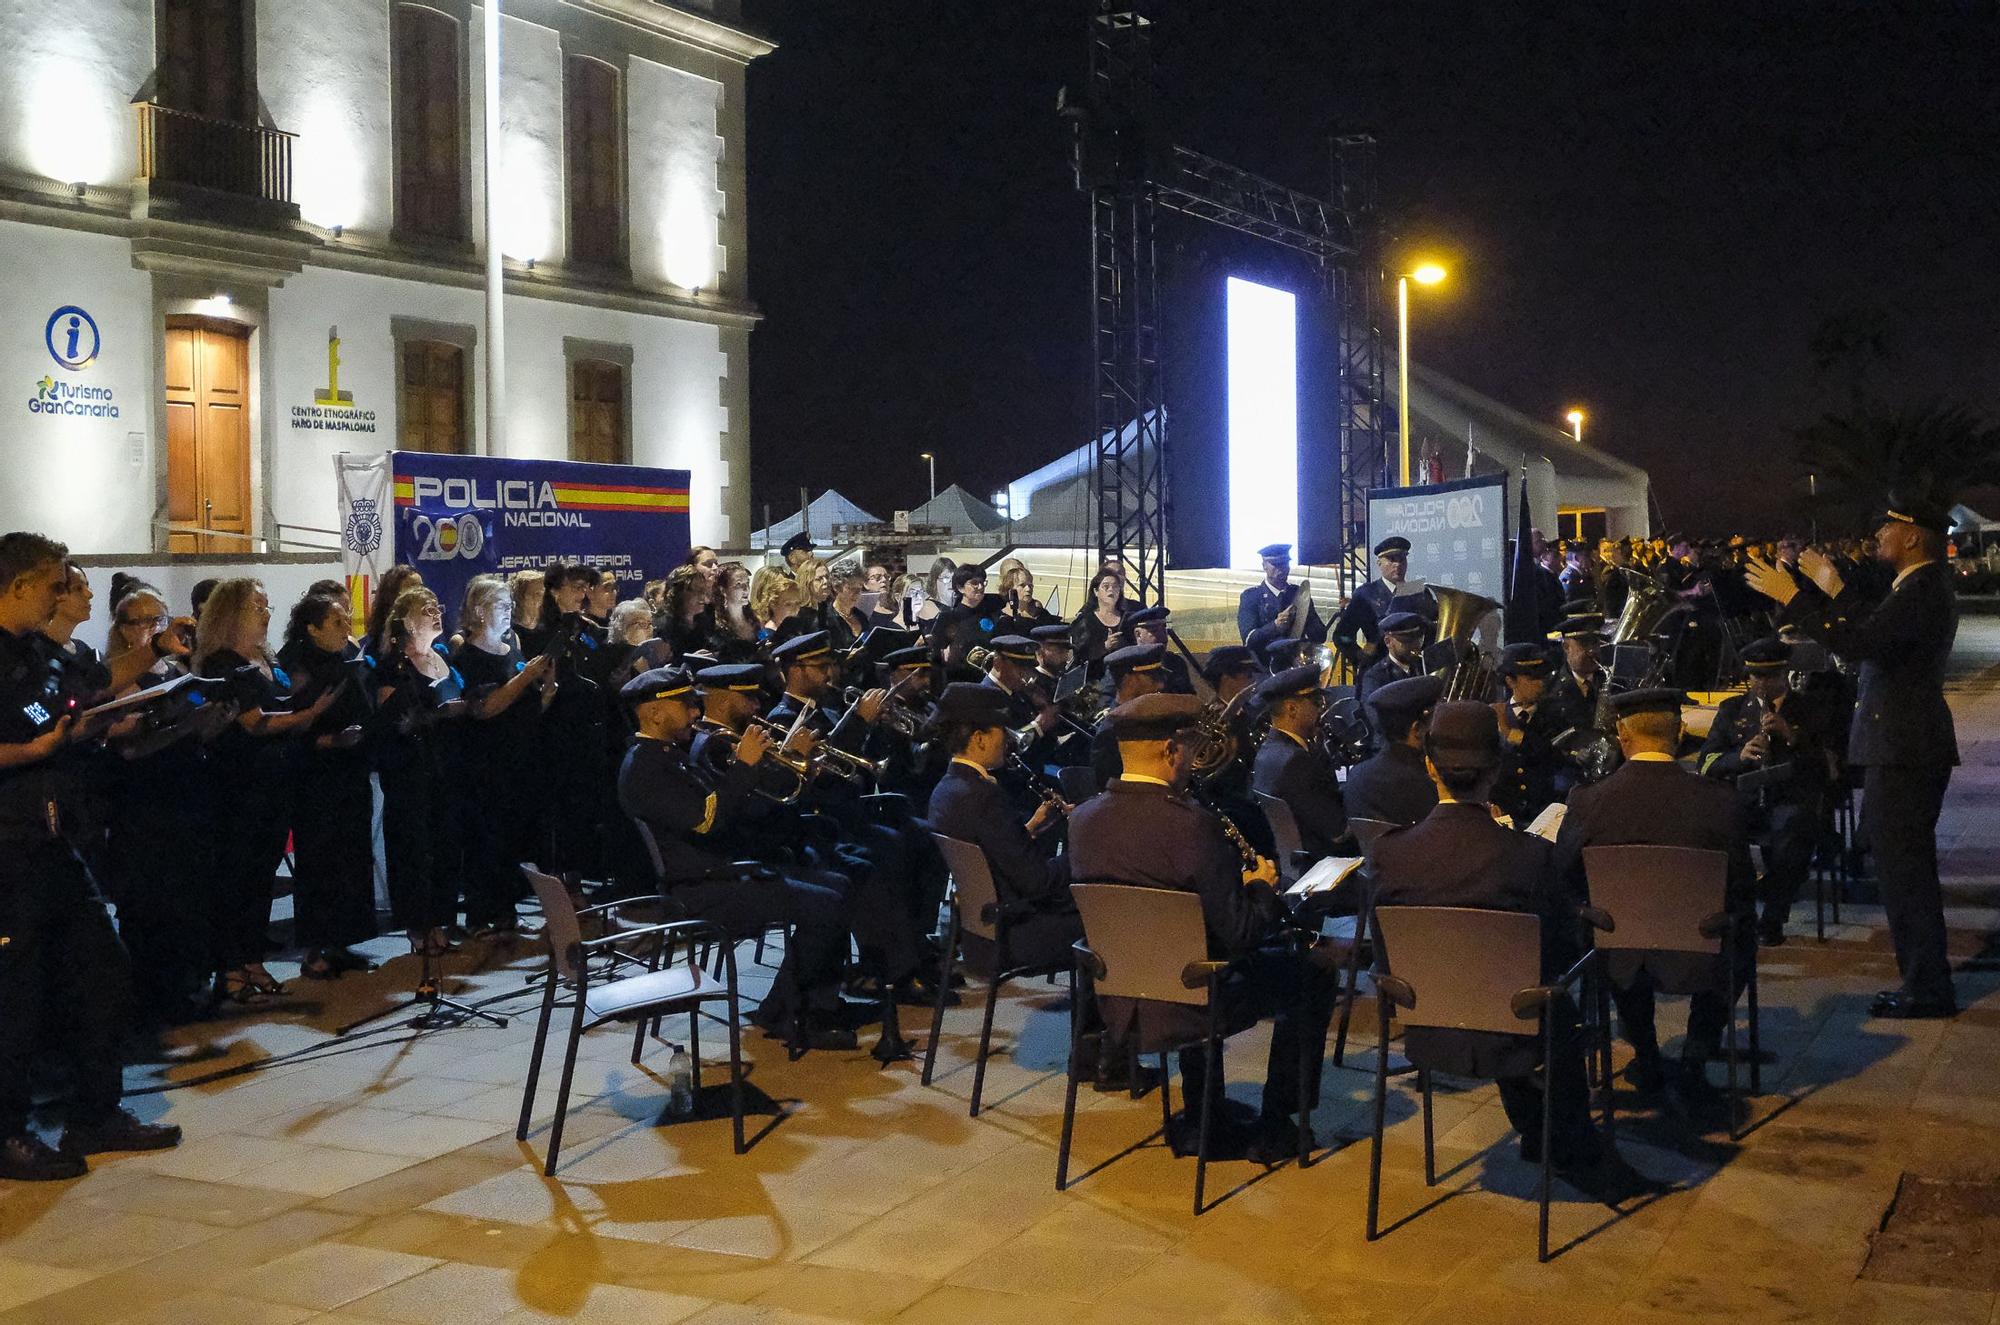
333	805
1459	856
254	766
689	810
1392	785
1143	831
1534	772
1134	671
971	621
576	769
389	588
1786	736
1098	628
1580	687
1020	611
504	698
893	907
63	975
417	692
1292	767
970	805
1652	801
1268	610
1402	654
1902	733
843	620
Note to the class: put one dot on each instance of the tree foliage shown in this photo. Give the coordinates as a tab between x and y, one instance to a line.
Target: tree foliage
1863	454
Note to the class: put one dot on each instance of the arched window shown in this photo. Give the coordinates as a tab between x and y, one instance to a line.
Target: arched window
595	138
430	168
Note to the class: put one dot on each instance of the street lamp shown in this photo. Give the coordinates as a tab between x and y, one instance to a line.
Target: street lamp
1425	273
1575	418
930	460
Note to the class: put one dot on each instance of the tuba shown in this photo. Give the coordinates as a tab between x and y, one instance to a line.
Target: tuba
1458	619
1647	606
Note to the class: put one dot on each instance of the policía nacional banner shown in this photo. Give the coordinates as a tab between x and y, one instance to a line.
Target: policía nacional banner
455	517
1457	531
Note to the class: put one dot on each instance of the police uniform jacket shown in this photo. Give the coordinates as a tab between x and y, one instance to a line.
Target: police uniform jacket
685	811
1738	719
1900	717
1529	771
1576	699
1391	785
1383	671
975	809
1305	781
33	698
1458	856
1257	611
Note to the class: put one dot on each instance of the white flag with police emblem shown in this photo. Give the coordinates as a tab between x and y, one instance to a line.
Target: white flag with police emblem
366	507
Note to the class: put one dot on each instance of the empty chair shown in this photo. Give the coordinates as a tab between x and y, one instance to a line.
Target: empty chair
667	987
1462	969
1292	858
1668	917
1150	945
978	936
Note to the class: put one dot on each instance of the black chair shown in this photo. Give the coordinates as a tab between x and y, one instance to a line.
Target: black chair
1458	968
1293	859
1669	902
1366	832
978	913
1078	783
665	988
1150	945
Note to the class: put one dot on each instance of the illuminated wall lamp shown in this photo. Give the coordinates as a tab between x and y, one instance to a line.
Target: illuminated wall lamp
339	230
78	189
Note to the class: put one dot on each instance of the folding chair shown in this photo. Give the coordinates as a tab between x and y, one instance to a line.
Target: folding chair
1292	857
1078	783
1458	968
1670	901
664	989
1365	831
1150	945
978	912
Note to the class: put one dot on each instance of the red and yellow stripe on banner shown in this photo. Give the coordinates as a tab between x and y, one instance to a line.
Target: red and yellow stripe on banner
587	496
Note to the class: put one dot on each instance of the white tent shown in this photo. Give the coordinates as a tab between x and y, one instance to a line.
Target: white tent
822	514
955	508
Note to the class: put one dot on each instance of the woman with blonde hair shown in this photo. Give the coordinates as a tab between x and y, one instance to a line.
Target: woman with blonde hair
1020	610
775	599
253	780
526	589
735	624
499	746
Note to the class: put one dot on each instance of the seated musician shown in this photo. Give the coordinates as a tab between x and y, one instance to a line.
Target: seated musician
1392	785
896	897
1269	610
970	805
1578	689
897	741
1534	771
1144	832
1402	654
1459	856
1789	737
1148	625
1069	744
1233	674
1134	671
1652	801
1293	767
686	809
1053	654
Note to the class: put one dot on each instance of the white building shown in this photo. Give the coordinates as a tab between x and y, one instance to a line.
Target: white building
238	236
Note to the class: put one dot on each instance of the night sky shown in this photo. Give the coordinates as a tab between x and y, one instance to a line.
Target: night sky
1647	210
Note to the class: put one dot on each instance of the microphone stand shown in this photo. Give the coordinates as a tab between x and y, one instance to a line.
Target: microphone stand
438	1011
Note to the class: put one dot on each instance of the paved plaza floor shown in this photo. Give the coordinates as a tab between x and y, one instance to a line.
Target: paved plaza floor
381	1181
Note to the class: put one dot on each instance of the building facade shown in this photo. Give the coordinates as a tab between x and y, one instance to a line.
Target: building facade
240	236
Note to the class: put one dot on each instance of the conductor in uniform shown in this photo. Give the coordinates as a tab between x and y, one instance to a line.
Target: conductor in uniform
1268	611
1902	734
1392	785
1775	745
1142	831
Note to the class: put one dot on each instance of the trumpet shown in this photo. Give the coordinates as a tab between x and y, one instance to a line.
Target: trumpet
831	759
798	765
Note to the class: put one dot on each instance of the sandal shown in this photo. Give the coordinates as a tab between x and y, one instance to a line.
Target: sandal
265	982
236	987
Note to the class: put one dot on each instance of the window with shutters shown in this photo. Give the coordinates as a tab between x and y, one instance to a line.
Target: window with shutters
597	411
432	408
594	140
204	53
430	166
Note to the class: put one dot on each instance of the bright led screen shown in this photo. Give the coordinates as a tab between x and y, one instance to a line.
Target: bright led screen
1263	419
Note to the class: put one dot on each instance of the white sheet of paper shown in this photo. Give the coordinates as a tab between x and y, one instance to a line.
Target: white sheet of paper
1324	875
1549	822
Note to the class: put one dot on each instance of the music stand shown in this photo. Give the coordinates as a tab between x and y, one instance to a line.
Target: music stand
440	1012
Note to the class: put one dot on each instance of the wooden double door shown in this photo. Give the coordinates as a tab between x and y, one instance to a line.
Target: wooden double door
208	436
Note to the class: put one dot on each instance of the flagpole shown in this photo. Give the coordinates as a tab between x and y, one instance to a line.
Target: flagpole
496	318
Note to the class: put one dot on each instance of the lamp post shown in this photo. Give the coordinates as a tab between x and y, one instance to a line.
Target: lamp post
1575	418
1426	273
496	287
930	460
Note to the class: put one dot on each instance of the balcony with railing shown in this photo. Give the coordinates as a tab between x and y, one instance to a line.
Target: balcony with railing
200	164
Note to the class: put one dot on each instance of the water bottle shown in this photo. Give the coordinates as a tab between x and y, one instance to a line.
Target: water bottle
680	1084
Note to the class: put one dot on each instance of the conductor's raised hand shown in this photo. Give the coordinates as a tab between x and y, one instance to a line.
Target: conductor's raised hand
1774	582
1820	569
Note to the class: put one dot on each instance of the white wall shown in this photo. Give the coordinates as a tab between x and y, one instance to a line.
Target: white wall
69	75
79	479
326	78
676	197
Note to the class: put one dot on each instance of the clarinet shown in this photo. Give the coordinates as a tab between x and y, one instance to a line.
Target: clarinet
1251	860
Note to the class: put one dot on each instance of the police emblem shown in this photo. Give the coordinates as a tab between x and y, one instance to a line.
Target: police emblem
364	527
